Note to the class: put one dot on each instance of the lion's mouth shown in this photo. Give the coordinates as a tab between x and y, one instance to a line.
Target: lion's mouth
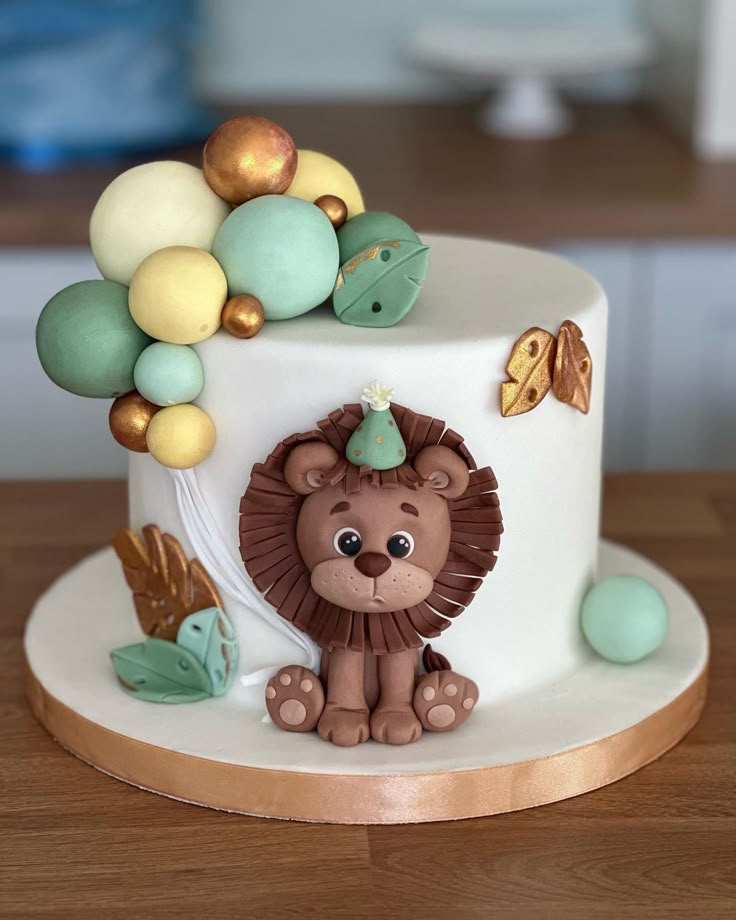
379	599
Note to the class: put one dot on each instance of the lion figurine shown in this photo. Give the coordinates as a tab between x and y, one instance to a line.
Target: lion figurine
370	534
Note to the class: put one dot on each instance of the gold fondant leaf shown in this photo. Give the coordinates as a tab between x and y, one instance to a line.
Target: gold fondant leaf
530	371
166	586
573	372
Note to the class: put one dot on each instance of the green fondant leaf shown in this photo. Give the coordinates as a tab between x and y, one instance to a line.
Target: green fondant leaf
379	285
210	637
161	672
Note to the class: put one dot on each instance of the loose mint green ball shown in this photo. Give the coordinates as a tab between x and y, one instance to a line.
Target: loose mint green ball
87	341
624	618
169	374
281	250
370	227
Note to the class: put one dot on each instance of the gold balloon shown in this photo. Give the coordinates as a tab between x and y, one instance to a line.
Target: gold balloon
129	419
334	207
247	157
242	316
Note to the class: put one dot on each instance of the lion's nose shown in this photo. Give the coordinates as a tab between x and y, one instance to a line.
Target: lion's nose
372	564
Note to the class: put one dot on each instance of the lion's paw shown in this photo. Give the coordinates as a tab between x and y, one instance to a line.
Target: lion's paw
443	700
395	726
295	699
344	727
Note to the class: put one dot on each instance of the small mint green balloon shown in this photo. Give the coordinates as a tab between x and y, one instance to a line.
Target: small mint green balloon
168	375
368	228
624	618
280	249
87	341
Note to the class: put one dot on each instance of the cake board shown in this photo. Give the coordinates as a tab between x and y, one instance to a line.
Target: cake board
585	730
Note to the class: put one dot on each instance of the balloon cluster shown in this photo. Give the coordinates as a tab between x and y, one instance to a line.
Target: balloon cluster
262	232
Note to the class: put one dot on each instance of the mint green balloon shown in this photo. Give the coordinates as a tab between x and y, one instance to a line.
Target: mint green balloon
368	228
87	341
169	374
624	618
280	249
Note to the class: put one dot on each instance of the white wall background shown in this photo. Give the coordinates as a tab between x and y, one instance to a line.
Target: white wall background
330	49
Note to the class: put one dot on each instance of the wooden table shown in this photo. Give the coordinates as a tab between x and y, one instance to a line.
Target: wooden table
618	173
661	843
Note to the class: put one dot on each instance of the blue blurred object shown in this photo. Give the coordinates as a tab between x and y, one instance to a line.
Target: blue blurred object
80	79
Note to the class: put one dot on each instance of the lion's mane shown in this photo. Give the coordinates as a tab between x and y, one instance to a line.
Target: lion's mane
269	511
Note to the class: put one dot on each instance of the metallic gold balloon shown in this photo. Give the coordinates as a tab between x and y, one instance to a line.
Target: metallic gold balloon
242	316
247	157
334	207
129	419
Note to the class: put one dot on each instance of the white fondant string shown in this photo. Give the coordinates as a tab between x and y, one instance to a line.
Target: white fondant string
212	551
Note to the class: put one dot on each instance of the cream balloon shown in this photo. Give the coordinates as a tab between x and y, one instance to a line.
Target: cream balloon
149	207
317	175
182	437
177	295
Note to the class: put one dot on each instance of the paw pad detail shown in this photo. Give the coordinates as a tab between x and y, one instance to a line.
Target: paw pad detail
295	699
443	700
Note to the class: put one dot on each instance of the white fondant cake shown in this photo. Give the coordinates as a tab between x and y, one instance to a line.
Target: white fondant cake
290	551
447	359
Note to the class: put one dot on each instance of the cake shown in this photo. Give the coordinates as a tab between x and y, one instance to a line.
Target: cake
365	474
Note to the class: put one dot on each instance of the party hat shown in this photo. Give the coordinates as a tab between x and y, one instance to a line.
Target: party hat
377	441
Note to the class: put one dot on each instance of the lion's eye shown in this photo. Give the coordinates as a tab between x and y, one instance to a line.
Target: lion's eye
400	545
347	541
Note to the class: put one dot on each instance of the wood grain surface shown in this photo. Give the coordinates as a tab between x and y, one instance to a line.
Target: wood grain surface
618	173
661	843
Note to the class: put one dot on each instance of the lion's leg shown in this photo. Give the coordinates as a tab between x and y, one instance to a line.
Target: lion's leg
344	720
370	680
394	720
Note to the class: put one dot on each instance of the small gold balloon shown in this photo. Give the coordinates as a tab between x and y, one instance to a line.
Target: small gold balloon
334	207
247	157
242	316
129	419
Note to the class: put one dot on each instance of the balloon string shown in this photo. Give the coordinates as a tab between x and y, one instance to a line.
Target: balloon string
212	551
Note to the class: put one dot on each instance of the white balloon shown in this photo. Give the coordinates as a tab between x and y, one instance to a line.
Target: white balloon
148	207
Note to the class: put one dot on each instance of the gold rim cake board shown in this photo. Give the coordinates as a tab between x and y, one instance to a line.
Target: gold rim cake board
355	799
382	797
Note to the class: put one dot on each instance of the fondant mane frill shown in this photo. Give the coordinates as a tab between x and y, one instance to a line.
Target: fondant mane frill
268	514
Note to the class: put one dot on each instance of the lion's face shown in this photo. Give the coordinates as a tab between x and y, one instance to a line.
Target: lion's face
377	550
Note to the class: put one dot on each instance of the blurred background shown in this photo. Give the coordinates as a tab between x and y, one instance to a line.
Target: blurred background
603	131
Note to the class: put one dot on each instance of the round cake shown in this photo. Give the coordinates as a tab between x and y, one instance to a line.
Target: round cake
364	481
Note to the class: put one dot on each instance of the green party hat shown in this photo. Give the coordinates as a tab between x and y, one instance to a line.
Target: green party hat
377	441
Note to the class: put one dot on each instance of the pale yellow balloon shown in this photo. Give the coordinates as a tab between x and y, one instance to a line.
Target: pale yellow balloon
317	175
177	295
148	207
182	436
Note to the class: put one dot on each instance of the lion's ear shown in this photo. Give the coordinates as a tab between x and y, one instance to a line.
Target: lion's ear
307	465
444	471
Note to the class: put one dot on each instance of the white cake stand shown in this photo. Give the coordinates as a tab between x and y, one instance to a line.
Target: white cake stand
589	728
527	62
